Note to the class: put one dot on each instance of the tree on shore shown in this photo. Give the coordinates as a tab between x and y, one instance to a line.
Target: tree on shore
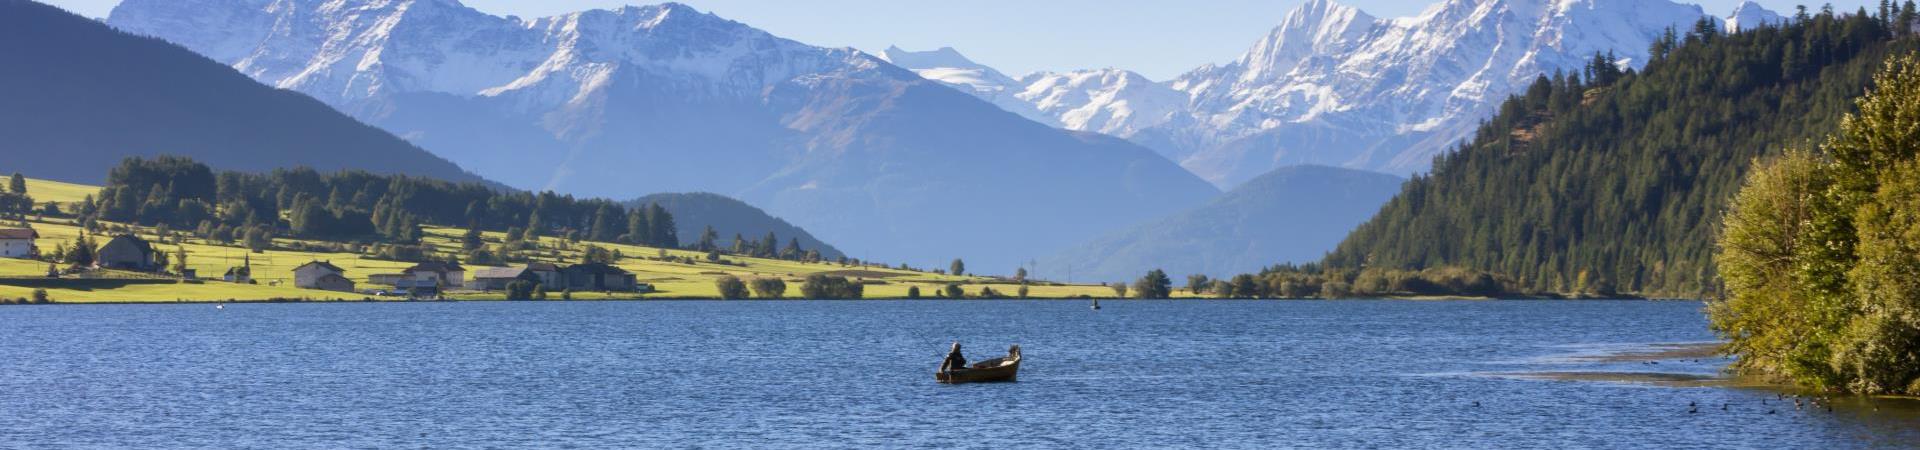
1154	285
769	288
1119	289
17	184
827	287
1819	252
957	267
731	288
1198	283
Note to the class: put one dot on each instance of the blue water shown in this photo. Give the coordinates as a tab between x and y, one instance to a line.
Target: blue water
834	374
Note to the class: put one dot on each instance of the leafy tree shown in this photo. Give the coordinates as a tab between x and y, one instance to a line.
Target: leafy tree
597	254
520	290
1119	290
1020	275
1153	286
769	288
17	184
953	290
731	288
913	292
1197	283
1245	286
40	296
957	267
1819	253
1023	291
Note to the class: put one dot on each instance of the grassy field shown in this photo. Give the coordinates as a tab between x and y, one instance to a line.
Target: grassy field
272	269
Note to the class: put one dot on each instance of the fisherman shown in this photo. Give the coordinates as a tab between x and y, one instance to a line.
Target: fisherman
954	360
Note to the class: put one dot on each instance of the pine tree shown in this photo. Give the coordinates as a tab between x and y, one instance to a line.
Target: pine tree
17	184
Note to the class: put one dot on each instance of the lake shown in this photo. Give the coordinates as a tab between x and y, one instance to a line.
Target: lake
1252	374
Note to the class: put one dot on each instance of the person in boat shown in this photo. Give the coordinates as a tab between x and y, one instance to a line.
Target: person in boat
954	360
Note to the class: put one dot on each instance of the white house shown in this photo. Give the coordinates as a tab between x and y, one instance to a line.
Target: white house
18	243
321	275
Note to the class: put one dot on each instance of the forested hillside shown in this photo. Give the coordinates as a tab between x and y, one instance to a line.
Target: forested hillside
1609	181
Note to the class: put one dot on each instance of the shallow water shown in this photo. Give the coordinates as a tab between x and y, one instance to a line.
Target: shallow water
786	374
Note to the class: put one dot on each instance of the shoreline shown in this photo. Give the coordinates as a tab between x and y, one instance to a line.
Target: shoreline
57	301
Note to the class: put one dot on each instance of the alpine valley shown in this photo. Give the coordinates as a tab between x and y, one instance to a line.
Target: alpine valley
887	165
663	98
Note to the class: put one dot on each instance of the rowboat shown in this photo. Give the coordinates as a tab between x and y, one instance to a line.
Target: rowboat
1000	369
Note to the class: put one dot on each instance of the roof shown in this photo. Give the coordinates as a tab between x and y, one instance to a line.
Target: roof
599	268
543	267
128	241
323	264
499	272
18	233
436	266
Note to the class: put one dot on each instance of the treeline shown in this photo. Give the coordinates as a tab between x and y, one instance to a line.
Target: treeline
1613	181
1821	252
1314	281
356	206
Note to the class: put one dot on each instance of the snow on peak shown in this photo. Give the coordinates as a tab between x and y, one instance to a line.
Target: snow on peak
346	52
1750	15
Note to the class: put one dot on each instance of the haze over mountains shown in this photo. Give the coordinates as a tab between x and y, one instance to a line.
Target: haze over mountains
1333	85
875	159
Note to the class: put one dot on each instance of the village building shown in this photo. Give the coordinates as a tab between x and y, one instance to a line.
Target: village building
386	279
598	277
436	274
546	273
18	243
322	275
242	274
497	278
127	252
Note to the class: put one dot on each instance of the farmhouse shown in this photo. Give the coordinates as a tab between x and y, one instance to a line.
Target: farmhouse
18	243
598	277
434	274
497	278
127	252
321	275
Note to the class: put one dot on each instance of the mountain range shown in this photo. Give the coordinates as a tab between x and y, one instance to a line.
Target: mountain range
1333	85
874	158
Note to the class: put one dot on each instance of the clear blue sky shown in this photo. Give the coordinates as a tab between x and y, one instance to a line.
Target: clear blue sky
1159	38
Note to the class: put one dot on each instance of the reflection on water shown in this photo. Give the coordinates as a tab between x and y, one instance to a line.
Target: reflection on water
1626	374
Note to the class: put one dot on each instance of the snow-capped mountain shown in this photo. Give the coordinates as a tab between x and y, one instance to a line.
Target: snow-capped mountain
948	66
664	98
1333	85
1750	15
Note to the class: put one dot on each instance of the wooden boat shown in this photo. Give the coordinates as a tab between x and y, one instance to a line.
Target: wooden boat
1003	369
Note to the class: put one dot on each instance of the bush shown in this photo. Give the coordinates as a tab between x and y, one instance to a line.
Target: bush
40	296
520	290
823	287
913	292
731	288
769	288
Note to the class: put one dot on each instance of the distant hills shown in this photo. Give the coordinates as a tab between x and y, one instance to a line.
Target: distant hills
77	96
694	211
664	98
1617	182
1290	215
